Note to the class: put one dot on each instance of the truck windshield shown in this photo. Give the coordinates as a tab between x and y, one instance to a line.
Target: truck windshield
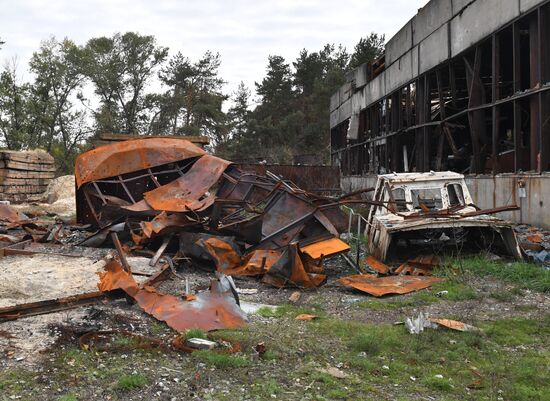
426	198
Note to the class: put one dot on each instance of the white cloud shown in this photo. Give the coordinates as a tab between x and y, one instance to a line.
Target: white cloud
244	32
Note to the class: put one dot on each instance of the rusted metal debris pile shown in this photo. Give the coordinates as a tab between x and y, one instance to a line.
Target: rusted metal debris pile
169	194
168	200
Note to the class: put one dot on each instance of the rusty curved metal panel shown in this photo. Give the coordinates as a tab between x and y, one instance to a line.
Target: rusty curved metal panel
380	286
209	310
188	192
129	156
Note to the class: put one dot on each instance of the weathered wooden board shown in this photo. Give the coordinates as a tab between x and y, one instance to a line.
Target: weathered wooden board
8	173
27	157
11	164
22	189
24	181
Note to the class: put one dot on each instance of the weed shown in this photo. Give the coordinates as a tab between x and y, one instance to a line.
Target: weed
437	383
195	333
221	360
67	397
157	328
526	275
130	382
286	310
375	340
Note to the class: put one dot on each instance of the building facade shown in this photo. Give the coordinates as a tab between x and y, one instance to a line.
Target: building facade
463	86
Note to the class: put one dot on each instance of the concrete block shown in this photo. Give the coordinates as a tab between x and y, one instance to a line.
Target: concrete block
527	5
399	73
345	92
335	101
344	111
434	49
415	61
400	44
375	89
479	20
430	18
360	76
459	5
334	118
358	102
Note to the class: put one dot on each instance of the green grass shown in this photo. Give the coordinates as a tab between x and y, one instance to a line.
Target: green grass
221	360
129	382
452	354
288	311
67	397
196	333
525	275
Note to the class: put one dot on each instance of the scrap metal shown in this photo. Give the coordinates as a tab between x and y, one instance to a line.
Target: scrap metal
380	286
434	210
210	310
278	231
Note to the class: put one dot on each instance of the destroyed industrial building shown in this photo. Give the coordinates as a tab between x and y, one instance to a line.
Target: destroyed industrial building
463	86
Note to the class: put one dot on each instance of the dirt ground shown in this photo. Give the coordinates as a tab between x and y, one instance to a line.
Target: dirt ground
36	344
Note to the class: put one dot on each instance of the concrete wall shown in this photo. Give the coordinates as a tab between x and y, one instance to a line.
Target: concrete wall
493	191
442	29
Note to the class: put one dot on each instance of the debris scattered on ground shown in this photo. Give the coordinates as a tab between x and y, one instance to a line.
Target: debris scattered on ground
306	316
380	286
334	372
423	321
200	343
419	324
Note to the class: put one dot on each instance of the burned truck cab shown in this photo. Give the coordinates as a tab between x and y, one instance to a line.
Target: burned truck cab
433	212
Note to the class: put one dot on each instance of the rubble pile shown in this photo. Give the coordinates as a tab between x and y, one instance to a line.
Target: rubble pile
147	207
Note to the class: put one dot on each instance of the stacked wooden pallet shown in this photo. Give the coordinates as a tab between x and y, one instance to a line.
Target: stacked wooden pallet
24	176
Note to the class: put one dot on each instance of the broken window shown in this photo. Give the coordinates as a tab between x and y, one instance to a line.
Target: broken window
456	195
427	198
399	199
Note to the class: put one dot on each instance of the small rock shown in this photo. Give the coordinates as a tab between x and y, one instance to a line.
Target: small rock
295	296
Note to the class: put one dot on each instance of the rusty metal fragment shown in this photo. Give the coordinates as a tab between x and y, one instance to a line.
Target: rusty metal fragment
9	214
211	310
50	306
129	156
419	266
325	248
380	286
454	325
189	192
376	265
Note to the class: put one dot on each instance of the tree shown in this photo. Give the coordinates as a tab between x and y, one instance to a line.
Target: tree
239	145
193	103
120	68
14	109
55	119
367	50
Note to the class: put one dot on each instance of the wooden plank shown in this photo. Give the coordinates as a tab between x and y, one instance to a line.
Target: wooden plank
16	198
22	189
24	181
27	157
26	174
10	164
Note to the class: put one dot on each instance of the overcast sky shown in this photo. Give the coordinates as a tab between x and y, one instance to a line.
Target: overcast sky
244	32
